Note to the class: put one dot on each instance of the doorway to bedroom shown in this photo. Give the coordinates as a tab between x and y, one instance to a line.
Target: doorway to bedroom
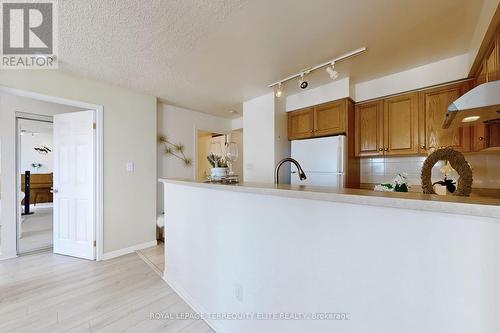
35	149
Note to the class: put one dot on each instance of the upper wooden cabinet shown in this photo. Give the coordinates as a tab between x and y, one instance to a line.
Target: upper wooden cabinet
301	124
491	62
369	129
434	104
321	120
401	128
388	127
330	118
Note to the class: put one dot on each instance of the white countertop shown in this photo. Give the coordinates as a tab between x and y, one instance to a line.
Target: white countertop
474	206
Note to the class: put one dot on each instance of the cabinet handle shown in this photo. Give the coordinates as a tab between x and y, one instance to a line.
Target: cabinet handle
381	149
422	147
386	149
481	138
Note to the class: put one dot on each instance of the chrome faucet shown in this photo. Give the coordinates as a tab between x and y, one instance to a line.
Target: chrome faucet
302	175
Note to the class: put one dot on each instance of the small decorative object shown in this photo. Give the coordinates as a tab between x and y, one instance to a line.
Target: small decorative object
447	185
174	149
219	166
399	184
456	161
42	149
36	166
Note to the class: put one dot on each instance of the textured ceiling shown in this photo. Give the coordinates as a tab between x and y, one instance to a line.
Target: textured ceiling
210	55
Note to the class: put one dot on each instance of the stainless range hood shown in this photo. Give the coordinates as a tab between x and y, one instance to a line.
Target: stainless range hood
479	105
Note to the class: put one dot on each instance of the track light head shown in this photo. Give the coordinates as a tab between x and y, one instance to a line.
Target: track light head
279	91
303	84
332	72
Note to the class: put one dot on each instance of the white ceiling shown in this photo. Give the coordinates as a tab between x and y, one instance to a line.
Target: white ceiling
210	55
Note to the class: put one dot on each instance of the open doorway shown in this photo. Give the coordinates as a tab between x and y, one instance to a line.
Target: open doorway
51	195
35	149
208	142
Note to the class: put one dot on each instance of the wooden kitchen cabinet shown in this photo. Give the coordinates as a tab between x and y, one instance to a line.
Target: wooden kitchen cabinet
491	62
388	127
320	120
479	137
330	118
434	104
369	127
301	124
401	125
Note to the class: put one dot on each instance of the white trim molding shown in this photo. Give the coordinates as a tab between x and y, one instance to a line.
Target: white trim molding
127	250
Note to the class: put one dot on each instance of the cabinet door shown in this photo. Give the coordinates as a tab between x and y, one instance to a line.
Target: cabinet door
481	75
401	125
435	103
479	137
300	124
369	129
491	62
330	119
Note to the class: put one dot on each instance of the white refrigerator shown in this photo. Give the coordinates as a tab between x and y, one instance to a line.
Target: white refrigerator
322	159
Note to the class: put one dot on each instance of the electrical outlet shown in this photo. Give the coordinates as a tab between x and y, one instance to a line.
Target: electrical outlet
238	292
130	167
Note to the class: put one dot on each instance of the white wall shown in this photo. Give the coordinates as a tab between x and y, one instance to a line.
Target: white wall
258	138
129	135
324	93
29	155
393	270
237	123
442	71
181	125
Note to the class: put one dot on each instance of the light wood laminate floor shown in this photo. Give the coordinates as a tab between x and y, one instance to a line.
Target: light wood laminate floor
52	293
155	257
36	230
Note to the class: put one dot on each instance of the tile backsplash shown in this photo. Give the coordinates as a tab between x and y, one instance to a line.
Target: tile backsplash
485	169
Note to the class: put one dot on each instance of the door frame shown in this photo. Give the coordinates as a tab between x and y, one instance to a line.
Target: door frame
98	166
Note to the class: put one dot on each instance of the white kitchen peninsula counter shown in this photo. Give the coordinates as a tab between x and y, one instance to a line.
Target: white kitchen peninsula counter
475	206
393	262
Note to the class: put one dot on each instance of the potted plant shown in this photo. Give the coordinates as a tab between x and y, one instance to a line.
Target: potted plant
219	166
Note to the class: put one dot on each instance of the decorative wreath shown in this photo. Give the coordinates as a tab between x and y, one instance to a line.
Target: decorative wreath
457	161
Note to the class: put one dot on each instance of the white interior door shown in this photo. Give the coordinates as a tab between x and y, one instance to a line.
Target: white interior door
74	184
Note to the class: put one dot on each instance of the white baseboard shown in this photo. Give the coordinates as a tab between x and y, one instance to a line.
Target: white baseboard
197	308
127	250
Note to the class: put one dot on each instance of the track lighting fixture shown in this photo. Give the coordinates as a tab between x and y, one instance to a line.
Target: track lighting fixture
330	69
303	84
279	91
332	72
